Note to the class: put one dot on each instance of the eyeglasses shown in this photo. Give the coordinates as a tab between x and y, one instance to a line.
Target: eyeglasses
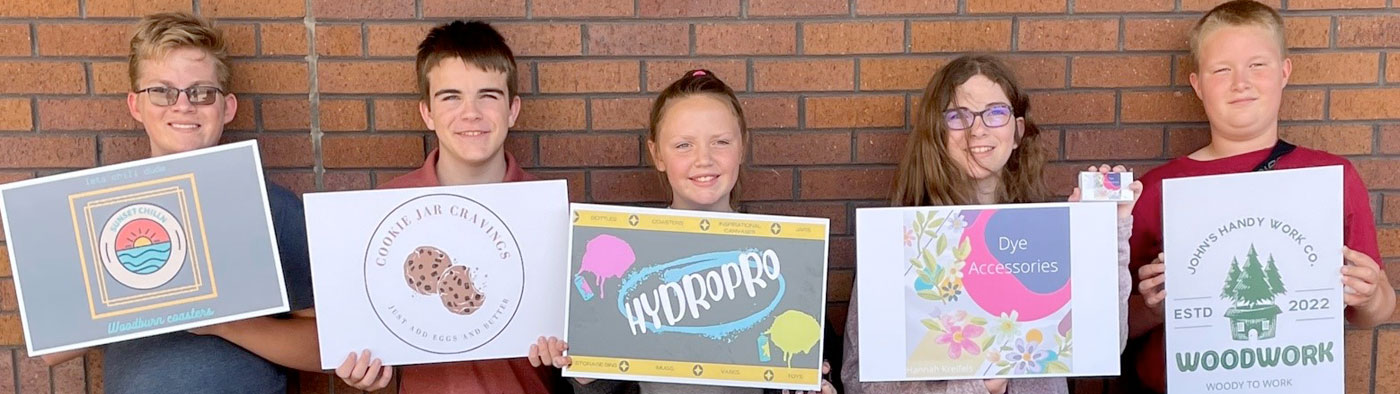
995	115
167	96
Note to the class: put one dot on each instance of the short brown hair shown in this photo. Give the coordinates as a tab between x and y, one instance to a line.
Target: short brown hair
696	82
927	173
158	34
1237	13
475	42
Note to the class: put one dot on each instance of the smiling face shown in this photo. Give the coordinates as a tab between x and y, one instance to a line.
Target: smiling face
470	110
1240	76
182	126
981	150
699	146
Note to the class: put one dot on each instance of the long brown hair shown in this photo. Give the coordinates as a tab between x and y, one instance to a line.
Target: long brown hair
692	83
928	175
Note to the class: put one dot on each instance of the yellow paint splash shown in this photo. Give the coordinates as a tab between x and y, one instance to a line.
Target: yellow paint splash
794	332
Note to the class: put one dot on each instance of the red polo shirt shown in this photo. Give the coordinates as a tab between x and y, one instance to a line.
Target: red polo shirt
503	376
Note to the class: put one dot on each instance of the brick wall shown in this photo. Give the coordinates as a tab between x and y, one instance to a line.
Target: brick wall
327	86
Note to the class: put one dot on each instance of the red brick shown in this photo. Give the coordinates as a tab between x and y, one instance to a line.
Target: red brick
796	8
106	39
33	373
15	40
1308	31
4	263
1038	72
580	8
33	9
804	75
766	184
242	38
603	76
578	185
621	113
48	152
1113	144
1334	68
286	39
1368	31
1015	6
271	77
400	40
8	303
42	78
961	36
476	8
522	146
345	180
1206	5
591	150
286	114
1392	209
1378	173
838	285
769	112
123	147
688	8
338	40
855	111
372	151
846	184
905	7
1358	357
252	9
1390	139
554	39
833	211
885	147
1336	139
1181	142
655	39
1088	6
901	73
68	377
1389	241
110	78
1072	107
552	114
801	148
1068	35
844	38
97	114
392	114
745	38
1157	34
1365	103
16	114
1153	107
280	150
661	73
1050	140
343	115
133	9
362	9
1295	5
367	77
1392	73
1121	71
611	186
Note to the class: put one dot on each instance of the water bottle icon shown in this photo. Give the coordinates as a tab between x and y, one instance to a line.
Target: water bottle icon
583	288
764	352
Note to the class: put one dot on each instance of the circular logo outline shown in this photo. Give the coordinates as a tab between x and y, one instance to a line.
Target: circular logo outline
369	247
112	262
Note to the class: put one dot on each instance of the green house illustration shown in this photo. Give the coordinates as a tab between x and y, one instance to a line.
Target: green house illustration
1251	290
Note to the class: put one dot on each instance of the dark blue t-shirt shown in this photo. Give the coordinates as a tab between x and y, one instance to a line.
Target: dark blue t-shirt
181	362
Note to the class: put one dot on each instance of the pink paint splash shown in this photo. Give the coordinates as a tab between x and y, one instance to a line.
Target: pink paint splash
606	257
1002	293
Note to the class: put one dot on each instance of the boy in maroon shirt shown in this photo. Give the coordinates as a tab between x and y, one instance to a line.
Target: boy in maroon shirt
1241	70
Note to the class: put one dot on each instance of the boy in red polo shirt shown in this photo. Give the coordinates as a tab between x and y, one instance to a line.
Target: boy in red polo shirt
1241	70
467	79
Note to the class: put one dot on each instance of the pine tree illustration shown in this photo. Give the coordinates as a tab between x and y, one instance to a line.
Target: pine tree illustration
1231	280
1275	281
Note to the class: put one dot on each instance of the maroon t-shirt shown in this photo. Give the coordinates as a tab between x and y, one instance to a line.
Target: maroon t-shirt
1358	227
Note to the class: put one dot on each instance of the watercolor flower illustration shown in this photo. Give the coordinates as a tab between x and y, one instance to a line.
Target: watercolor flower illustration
1007	325
960	338
1026	357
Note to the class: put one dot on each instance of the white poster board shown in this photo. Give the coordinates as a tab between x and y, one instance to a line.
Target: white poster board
990	291
1254	291
438	274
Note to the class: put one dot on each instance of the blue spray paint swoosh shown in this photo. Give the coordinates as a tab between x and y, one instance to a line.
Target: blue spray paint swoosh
675	270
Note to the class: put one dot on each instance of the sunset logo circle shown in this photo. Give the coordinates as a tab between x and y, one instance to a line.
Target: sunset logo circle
142	246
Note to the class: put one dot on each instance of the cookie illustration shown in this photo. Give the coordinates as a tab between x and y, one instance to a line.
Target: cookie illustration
459	294
424	268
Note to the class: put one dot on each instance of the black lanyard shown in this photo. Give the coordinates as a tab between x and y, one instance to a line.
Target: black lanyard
1281	148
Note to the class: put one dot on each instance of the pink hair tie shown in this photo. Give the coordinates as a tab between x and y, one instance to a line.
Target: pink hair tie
698	73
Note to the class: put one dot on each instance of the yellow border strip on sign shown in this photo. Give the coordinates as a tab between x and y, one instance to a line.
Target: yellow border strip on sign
699	225
693	370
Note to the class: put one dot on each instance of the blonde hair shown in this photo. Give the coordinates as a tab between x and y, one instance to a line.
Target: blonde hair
1237	13
158	34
